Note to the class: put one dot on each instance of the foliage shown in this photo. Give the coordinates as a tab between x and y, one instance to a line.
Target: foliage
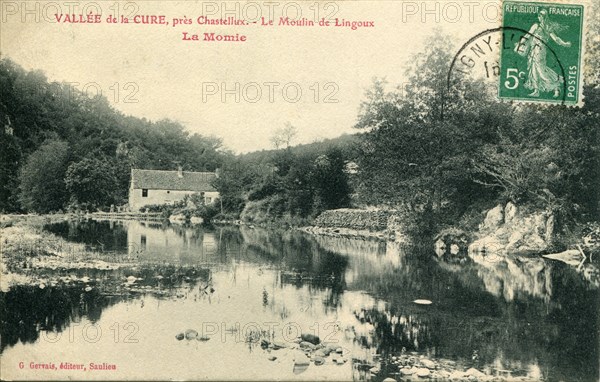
42	188
303	185
332	189
291	184
414	156
550	157
283	137
206	212
91	183
34	110
10	156
165	210
439	150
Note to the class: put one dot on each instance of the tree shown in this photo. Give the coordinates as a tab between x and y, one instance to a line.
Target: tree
330	181
284	136
42	187
10	156
233	182
91	183
419	140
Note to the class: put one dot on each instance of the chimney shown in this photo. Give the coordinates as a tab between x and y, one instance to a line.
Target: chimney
179	171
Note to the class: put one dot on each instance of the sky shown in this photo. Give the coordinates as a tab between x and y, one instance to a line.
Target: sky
313	77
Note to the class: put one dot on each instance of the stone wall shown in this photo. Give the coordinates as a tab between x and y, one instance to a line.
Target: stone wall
371	220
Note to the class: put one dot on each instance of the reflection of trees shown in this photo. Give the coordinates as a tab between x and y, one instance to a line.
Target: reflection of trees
301	259
419	275
514	328
392	331
576	319
27	310
97	235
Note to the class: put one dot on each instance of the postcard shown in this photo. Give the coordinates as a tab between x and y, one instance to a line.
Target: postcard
300	190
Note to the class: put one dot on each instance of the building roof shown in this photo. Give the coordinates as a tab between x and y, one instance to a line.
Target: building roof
170	180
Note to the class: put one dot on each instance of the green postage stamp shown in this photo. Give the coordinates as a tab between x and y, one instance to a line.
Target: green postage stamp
542	59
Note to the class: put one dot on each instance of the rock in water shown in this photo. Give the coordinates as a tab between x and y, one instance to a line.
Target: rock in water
319	361
301	363
272	358
330	348
310	338
423	302
474	372
191	334
338	360
180	336
423	372
428	363
388	379
301	359
457	375
307	345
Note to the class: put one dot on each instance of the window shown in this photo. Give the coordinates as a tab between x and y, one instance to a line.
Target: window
144	192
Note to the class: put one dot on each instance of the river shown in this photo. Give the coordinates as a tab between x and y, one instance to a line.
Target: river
237	286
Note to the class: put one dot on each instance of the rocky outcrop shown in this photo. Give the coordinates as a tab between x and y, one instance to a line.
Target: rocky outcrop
512	229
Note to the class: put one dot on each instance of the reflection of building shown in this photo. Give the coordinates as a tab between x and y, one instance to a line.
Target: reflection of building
153	241
167	187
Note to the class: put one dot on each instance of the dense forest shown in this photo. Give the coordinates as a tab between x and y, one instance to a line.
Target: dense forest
438	152
62	150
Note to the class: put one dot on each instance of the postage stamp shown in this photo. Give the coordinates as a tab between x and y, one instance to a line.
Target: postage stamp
544	62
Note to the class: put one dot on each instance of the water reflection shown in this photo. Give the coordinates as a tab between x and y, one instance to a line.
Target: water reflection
28	310
533	318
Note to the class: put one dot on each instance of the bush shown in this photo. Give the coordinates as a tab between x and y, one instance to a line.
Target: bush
206	212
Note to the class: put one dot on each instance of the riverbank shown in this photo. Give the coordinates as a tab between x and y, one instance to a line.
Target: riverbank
152	216
27	251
